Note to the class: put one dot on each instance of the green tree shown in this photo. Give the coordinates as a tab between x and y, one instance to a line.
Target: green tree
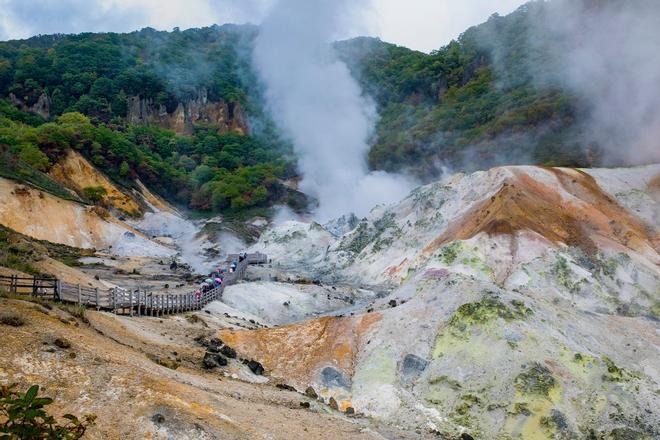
124	169
34	157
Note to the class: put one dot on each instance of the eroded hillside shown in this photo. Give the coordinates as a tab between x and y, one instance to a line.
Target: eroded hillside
523	302
519	302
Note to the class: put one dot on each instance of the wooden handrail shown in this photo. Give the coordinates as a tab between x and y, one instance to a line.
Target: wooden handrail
132	301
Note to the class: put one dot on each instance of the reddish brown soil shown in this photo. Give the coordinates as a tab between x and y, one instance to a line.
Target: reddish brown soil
524	203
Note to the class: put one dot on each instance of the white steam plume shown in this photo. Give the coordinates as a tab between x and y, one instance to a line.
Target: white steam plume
314	99
610	59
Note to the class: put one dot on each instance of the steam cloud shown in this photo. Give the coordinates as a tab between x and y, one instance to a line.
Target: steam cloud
314	99
609	59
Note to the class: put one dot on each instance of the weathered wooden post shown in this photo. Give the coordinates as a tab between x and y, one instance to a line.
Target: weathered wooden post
79	294
130	302
98	301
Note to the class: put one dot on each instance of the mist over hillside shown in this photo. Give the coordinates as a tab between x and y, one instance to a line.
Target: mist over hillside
554	83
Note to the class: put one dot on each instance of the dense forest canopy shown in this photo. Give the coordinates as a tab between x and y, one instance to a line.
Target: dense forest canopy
95	73
88	79
474	103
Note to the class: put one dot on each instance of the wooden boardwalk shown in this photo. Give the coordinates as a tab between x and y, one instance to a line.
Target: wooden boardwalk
128	302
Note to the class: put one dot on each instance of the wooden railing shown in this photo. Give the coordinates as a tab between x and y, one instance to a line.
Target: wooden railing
35	286
123	301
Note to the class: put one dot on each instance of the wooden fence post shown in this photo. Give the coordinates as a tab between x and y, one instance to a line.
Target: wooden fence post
79	295
98	302
130	302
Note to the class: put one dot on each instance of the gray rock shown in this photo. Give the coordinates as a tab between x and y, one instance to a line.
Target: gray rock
412	366
333	378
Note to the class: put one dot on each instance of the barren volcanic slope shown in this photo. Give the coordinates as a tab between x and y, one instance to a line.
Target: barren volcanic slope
521	302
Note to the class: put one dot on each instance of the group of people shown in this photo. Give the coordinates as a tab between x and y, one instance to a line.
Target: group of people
217	277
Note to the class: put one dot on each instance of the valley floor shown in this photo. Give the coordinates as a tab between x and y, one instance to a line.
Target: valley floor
110	370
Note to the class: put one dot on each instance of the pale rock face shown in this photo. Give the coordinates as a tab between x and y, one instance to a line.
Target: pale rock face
228	115
41	107
43	216
527	303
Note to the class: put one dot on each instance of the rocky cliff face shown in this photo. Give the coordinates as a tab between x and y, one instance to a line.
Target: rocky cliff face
228	115
523	303
41	107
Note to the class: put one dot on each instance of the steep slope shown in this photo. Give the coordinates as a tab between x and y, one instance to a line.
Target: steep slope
43	216
524	302
75	172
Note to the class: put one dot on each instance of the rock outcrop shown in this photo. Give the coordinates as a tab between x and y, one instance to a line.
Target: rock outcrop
41	107
228	116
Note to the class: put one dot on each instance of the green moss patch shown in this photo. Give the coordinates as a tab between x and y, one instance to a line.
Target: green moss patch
453	384
487	310
535	380
449	253
614	373
563	272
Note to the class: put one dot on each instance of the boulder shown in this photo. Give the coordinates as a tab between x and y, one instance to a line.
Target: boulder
255	367
412	366
286	387
229	352
212	360
311	393
62	343
333	378
214	345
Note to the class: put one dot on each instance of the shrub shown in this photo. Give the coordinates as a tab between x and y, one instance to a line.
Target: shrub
11	319
23	417
94	194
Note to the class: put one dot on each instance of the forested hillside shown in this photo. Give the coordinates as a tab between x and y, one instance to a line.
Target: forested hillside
112	97
182	110
488	98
